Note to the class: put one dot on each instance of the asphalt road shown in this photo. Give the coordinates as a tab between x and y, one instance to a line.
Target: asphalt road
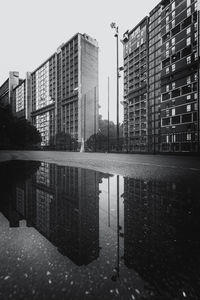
132	165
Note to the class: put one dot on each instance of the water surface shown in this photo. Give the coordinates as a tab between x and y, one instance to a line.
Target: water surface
73	233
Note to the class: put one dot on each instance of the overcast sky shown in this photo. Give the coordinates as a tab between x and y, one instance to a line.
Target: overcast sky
32	30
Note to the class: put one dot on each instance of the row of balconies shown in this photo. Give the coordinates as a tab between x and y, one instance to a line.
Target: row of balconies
179	119
187	89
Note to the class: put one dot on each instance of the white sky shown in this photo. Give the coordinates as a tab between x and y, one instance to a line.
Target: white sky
32	30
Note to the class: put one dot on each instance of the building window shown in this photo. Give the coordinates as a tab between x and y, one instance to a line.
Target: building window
167	88
195	76
188	97
166	121
188	41
188	11
173	67
189	60
173	23
167	27
167	139
173	41
167	53
173	85
173	5
173	14
167	45
187	118
195	55
173	49
167	70
189	136
195	95
188	107
173	112
188	80
188	30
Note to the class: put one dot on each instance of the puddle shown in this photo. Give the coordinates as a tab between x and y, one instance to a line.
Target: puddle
76	233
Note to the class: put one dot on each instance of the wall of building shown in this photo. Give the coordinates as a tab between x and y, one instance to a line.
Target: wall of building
172	110
88	95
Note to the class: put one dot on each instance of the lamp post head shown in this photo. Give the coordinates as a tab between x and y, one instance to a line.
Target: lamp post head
113	25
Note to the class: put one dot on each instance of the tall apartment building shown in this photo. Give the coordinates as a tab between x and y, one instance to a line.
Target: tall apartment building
135	86
6	89
65	91
61	95
21	103
171	98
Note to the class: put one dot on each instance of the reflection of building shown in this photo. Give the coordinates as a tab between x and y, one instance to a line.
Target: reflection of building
62	203
161	79
159	234
10	172
61	95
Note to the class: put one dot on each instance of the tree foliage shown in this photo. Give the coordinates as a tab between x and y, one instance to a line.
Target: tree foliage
64	141
99	141
103	127
16	133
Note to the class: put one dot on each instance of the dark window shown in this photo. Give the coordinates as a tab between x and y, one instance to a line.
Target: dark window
195	116
166	121
176	93
166	96
176	30
176	120
186	89
186	51
166	62
187	118
176	57
186	22
166	37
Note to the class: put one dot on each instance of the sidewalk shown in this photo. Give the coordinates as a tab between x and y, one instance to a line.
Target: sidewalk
132	165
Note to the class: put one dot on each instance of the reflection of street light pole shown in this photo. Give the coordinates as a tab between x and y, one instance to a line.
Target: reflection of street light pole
116	269
113	26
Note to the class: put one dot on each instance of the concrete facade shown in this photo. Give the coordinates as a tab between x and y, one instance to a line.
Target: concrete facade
61	95
172	80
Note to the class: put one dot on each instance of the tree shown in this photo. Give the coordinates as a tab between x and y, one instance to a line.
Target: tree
103	126
16	133
97	142
64	141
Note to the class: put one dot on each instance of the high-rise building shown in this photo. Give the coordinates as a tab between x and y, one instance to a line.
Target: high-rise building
135	86
61	95
6	89
165	117
21	103
65	91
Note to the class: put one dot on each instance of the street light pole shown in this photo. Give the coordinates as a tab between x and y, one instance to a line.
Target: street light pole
108	114
113	25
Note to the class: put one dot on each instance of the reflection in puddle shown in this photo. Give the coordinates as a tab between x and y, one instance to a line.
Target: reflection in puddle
134	239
